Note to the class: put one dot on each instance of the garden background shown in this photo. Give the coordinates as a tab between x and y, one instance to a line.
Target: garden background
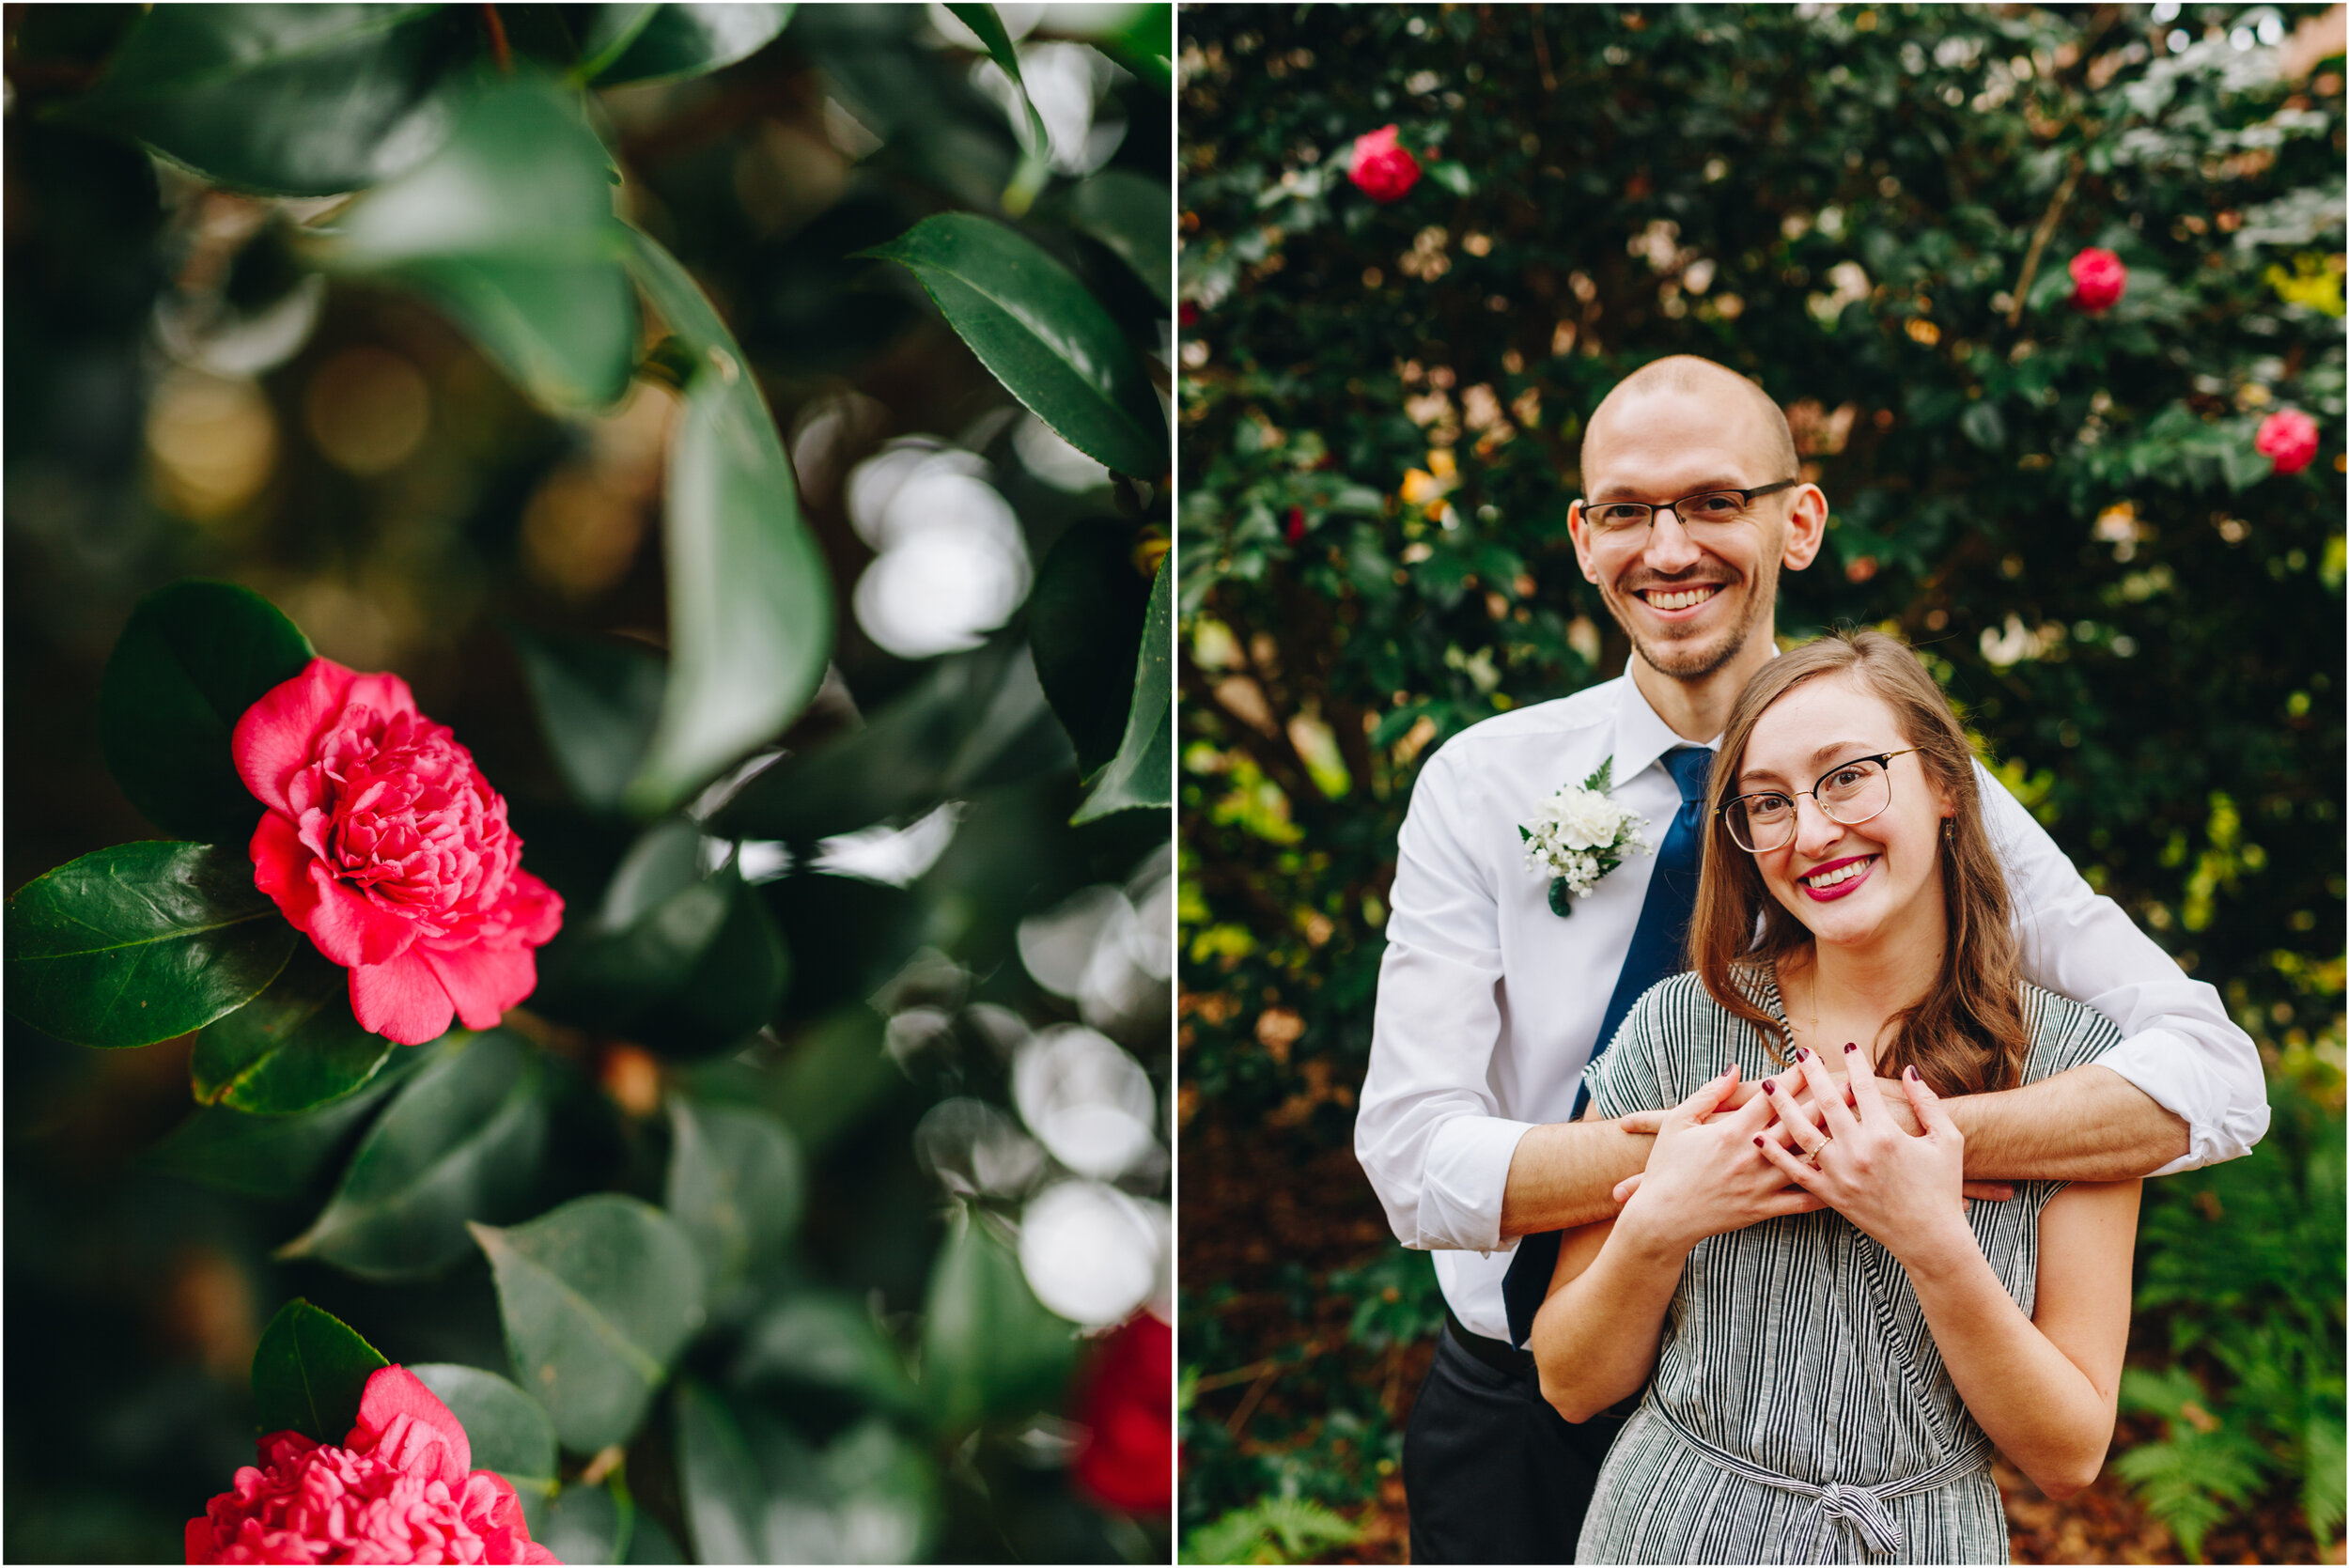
1872	210
654	410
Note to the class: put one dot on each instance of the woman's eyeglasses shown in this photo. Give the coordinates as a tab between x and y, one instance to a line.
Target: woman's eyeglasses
1849	792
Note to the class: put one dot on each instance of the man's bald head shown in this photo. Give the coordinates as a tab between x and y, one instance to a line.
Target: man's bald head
1767	436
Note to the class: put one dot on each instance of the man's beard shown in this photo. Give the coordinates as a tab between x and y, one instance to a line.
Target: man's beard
1695	658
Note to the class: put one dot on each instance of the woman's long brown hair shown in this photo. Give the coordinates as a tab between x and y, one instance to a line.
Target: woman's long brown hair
1967	1033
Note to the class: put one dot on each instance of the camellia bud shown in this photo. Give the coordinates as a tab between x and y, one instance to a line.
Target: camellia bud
2287	437
1383	171
1297	524
2098	280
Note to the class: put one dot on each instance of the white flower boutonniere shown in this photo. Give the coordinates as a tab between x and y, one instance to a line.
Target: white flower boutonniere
1580	835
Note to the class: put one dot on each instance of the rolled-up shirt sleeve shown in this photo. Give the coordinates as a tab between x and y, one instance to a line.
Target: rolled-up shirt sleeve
1427	1132
2178	1045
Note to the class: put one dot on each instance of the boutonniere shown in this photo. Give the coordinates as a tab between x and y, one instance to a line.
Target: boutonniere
1578	835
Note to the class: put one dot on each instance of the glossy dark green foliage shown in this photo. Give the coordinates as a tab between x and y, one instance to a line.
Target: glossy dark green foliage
193	658
988	1346
599	1296
982	19
588	1524
646	44
509	229
754	1491
751	614
1141	774
461	1140
1084	625
975	721
508	1430
293	1048
828	1341
596	703
1045	337
736	1187
310	1371
1128	214
845	936
685	960
285	100
276	1157
140	942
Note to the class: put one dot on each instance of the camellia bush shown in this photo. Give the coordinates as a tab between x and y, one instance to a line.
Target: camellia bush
589	583
2053	302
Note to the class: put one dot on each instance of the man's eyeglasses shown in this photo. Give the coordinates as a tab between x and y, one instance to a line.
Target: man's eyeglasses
1624	517
1849	792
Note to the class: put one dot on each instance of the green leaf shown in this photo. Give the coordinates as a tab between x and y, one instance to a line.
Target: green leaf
508	1430
736	1186
1452	177
981	18
1984	424
1032	323
646	44
755	1492
597	704
286	100
140	942
508	227
193	658
1131	214
310	1373
1144	44
1142	773
830	1340
272	1156
460	1142
975	721
599	1297
990	1350
683	961
750	593
1085	620
588	1525
293	1048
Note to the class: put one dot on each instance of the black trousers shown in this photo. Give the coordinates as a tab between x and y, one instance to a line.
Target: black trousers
1492	1473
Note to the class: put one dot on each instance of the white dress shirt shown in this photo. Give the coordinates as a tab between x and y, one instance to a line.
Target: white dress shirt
1489	1004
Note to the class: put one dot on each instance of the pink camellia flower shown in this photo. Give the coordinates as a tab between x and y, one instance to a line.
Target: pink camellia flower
2287	437
2098	280
384	841
1127	1457
401	1489
1384	171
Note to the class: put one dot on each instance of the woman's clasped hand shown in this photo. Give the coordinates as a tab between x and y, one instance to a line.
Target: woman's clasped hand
1850	1152
1705	1176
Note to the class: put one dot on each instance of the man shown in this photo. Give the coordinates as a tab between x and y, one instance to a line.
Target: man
1491	1005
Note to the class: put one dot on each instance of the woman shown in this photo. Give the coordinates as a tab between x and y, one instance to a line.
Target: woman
1827	1337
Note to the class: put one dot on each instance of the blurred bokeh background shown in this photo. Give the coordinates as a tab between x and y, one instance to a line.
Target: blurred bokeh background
2075	508
974	1015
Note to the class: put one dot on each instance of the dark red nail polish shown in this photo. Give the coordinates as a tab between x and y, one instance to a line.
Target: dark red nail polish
1769	1086
1757	1143
1912	1073
1851	1044
1802	1054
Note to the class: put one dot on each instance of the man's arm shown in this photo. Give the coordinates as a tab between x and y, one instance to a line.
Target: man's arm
2183	1088
1564	1174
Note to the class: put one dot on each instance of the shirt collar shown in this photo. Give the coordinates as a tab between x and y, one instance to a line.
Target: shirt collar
1640	736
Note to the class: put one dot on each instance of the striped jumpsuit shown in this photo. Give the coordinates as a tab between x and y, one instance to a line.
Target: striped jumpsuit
1799	1411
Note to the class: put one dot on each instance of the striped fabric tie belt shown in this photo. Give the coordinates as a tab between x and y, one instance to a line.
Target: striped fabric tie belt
1841	1502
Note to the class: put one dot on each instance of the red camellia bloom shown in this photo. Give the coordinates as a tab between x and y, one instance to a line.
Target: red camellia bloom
1384	171
2287	437
401	1489
1126	1458
2098	280
384	841
1296	526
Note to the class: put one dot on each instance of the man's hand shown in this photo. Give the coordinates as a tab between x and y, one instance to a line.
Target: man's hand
1900	1188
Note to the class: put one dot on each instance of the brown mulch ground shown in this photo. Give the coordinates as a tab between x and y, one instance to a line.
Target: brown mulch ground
1249	1204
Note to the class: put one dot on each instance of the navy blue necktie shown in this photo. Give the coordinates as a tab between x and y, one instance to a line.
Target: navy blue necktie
1659	949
